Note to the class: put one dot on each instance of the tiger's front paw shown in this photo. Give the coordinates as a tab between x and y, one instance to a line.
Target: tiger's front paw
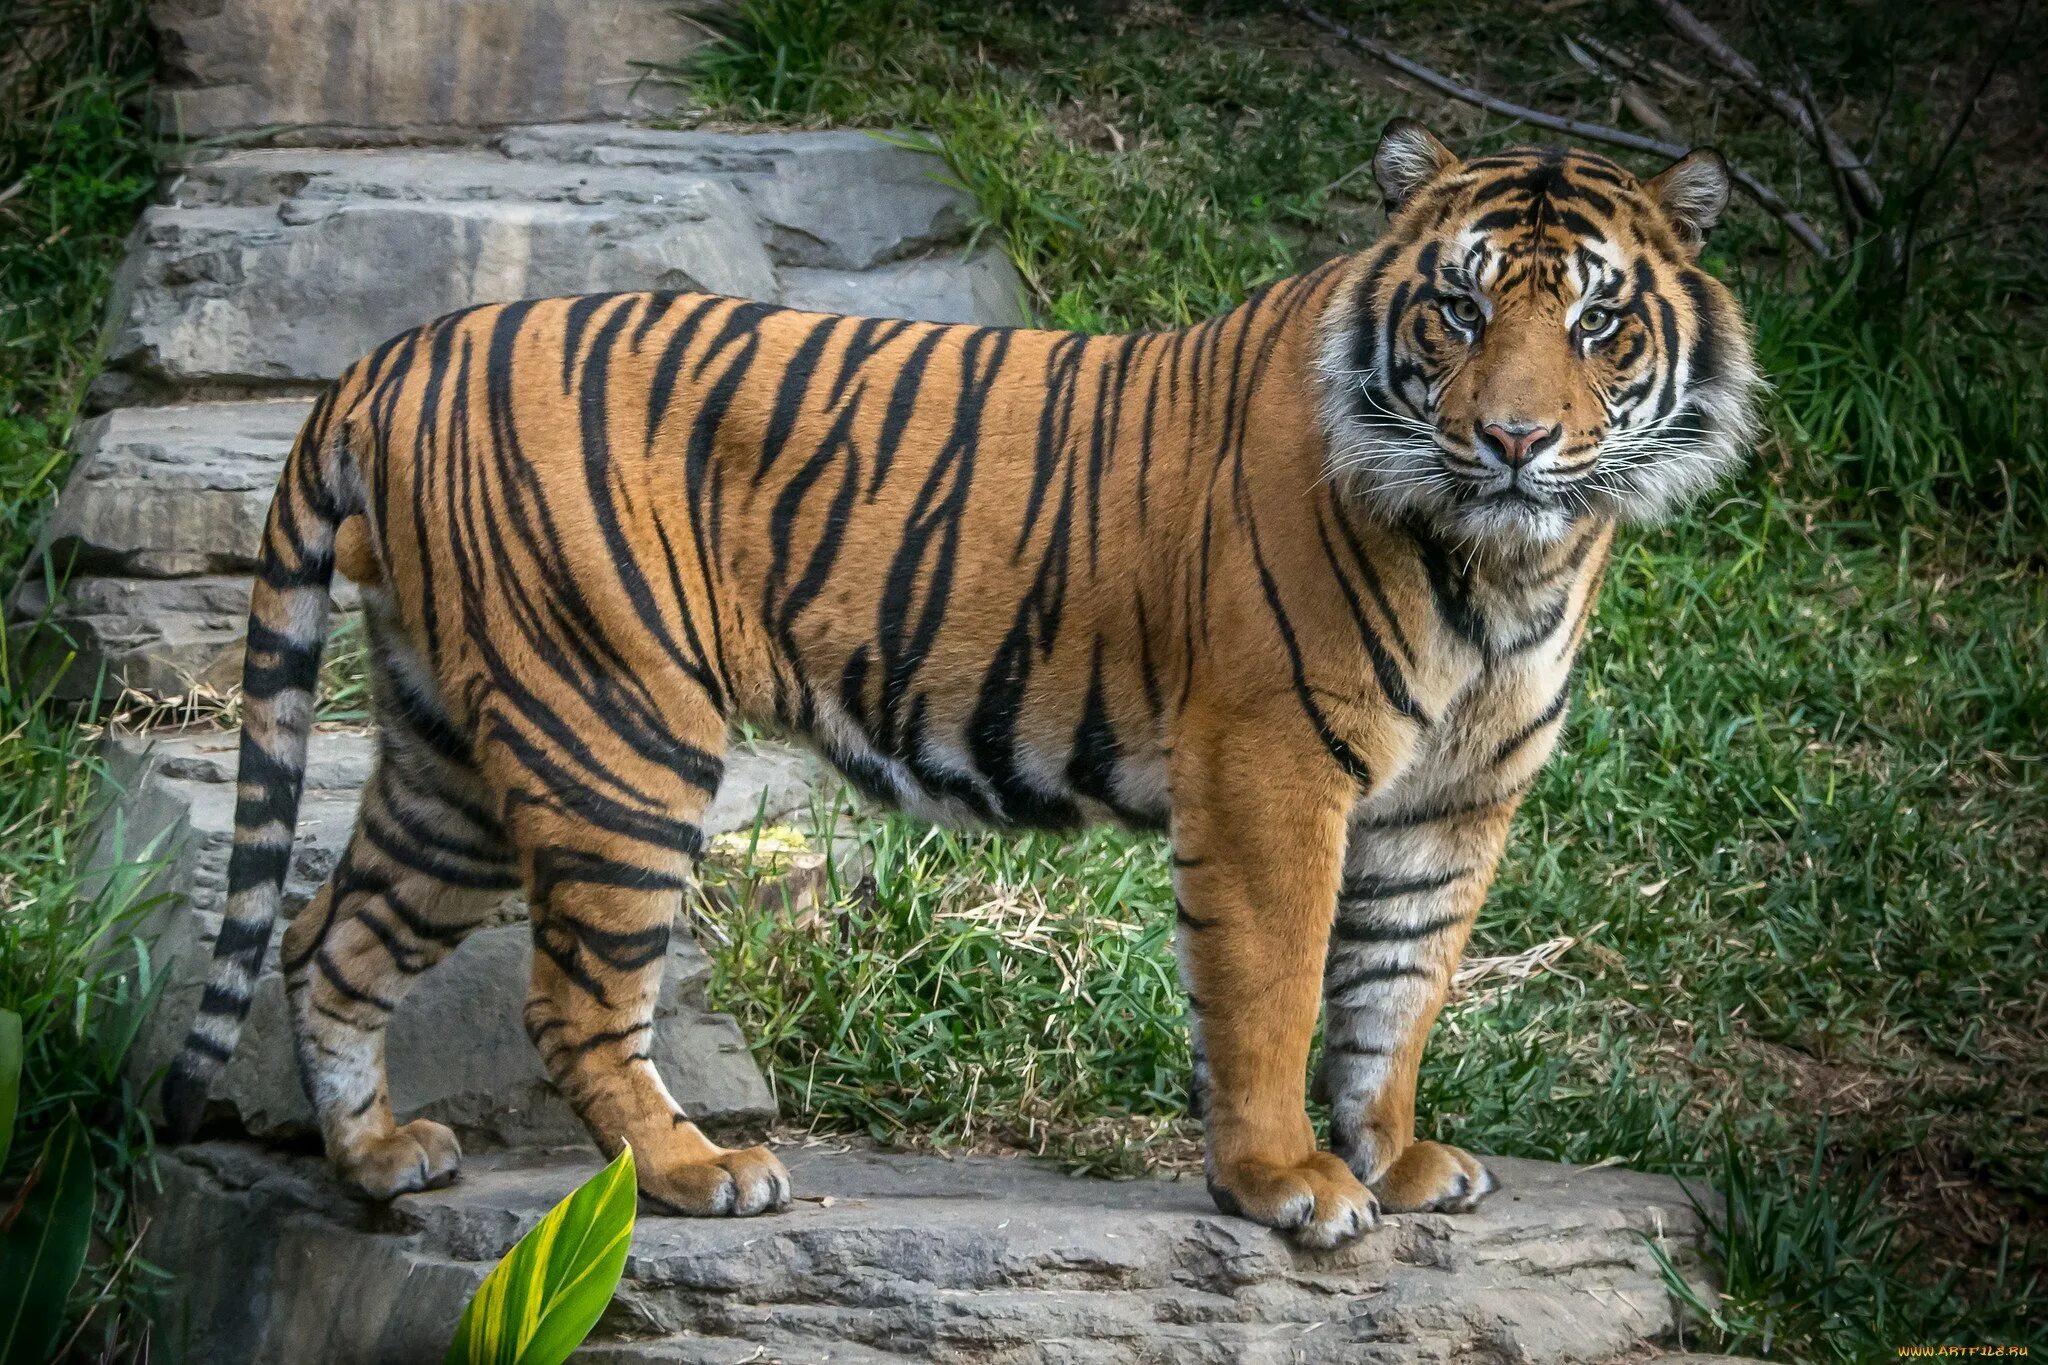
735	1184
1434	1177
1317	1201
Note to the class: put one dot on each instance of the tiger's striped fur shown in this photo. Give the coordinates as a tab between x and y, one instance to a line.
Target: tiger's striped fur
1301	586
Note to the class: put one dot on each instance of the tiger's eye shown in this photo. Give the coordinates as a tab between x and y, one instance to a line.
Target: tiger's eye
1464	310
1594	320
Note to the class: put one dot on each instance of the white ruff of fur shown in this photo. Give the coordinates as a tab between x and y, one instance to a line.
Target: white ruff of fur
1387	455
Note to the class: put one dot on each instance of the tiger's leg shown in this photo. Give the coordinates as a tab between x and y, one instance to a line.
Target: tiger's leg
606	842
1257	850
425	865
1409	896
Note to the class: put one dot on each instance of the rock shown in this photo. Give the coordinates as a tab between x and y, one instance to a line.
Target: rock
941	288
384	70
173	491
457	1051
836	200
922	1258
280	267
248	296
163	637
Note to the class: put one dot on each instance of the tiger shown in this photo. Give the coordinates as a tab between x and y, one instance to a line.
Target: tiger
1300	587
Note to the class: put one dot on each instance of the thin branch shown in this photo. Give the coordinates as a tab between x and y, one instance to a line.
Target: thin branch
1643	68
1982	229
1763	194
1993	56
1846	198
1841	158
1916	198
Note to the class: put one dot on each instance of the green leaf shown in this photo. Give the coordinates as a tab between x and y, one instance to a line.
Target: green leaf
539	1303
43	1239
10	1079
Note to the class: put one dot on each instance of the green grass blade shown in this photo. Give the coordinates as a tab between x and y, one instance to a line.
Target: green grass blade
542	1299
10	1079
42	1246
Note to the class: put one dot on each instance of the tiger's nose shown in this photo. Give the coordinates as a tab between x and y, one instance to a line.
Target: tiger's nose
1515	442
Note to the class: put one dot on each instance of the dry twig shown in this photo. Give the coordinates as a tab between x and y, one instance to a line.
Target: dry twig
1766	197
1916	197
1861	198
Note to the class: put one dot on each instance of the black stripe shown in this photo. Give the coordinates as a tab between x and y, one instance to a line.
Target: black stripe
1365	886
1377	974
790	393
1549	713
1363	929
1430	814
221	1002
346	988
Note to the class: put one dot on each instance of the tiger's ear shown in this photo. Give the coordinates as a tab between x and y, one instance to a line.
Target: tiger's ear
1693	192
1409	156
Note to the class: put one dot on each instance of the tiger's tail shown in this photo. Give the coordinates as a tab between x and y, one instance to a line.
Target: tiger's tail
288	618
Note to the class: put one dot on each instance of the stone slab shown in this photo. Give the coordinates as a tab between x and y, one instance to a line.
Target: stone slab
175	491
925	1259
842	200
383	70
295	292
458	1052
278	267
162	637
940	288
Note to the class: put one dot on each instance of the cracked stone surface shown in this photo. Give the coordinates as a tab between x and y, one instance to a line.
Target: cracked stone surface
383	70
174	491
457	1050
163	637
925	1259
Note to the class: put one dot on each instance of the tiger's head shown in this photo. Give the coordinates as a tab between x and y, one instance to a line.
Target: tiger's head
1533	341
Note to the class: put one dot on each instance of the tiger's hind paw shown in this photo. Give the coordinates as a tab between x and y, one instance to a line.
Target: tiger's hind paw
421	1155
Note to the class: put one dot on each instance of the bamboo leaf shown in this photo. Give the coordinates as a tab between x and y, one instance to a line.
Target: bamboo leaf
43	1245
542	1299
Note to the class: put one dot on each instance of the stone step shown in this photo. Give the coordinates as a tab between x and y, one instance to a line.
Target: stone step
161	637
169	492
916	1258
385	70
457	1049
278	267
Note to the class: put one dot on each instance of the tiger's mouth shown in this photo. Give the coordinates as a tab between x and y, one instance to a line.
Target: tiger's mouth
1514	512
1523	503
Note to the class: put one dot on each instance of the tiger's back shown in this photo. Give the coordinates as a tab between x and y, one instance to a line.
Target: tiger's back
959	557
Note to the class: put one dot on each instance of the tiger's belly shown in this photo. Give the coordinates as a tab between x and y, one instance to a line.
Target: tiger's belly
954	774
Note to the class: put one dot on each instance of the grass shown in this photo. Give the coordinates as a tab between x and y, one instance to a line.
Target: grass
1776	916
1780	900
969	988
75	167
